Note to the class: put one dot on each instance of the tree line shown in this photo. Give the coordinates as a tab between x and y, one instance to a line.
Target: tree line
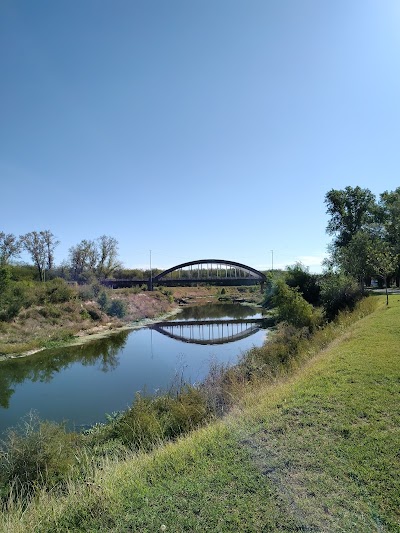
87	260
366	233
365	245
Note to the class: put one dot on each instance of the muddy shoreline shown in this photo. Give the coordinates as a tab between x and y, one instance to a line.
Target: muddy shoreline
99	332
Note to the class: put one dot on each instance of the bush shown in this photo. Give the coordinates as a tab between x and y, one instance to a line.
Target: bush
89	291
36	454
270	290
94	313
338	292
272	358
117	308
152	420
13	296
299	276
58	291
24	273
293	308
102	300
49	311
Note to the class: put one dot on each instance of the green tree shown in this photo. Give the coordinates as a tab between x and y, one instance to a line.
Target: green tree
83	259
10	246
389	205
299	276
11	295
108	256
91	258
351	210
49	244
40	245
383	261
354	257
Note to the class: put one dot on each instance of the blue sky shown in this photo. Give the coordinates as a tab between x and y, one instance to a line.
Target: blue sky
195	129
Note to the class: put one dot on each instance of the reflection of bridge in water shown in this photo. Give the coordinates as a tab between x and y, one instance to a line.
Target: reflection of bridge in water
209	331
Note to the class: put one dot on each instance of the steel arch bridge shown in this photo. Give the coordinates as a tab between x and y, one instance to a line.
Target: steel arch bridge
209	332
208	271
211	271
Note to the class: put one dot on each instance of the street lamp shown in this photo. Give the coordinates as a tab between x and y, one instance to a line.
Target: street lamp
151	275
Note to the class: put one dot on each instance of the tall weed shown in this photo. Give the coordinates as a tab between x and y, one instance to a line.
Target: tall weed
152	420
35	454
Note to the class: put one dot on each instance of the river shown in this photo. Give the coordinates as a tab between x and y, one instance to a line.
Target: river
78	385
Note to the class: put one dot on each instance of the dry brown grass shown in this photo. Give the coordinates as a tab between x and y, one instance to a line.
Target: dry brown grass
204	293
49	324
144	305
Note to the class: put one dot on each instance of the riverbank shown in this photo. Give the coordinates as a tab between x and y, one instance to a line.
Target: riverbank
76	322
315	451
72	323
98	332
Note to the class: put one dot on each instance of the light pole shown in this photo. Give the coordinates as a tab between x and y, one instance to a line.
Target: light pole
151	275
272	253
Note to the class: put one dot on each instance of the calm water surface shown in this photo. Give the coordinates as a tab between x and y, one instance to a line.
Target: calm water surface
80	384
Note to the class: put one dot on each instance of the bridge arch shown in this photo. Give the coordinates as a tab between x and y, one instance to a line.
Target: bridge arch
217	271
208	332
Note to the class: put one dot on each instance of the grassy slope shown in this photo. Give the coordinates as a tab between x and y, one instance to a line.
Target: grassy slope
318	453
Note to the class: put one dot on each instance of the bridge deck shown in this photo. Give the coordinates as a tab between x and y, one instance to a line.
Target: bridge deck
168	323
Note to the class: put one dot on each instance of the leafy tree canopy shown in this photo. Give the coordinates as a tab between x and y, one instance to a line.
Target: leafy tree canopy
351	210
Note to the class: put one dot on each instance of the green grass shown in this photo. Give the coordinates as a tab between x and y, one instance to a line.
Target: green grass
317	451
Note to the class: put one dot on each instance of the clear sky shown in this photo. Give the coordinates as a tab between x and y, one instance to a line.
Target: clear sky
195	128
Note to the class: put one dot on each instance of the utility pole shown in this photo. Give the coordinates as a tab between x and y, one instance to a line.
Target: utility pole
151	276
272	252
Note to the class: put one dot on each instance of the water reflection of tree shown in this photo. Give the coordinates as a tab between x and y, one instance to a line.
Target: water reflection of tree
44	365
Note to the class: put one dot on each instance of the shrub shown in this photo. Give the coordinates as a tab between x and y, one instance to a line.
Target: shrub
12	296
84	314
117	308
5	279
58	291
270	289
299	276
272	358
102	300
36	454
49	311
338	292
152	420
293	308
94	313
89	291
182	413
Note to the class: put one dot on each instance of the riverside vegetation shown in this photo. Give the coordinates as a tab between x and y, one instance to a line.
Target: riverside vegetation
296	450
35	315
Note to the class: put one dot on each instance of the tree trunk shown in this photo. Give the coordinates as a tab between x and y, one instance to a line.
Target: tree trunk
387	294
